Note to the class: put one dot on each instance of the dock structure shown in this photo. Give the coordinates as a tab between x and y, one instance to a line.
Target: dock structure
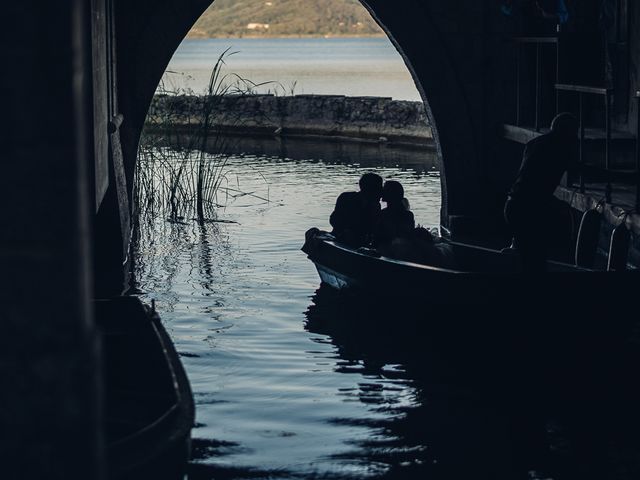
80	79
588	73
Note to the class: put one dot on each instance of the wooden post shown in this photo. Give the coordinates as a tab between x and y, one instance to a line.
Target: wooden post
538	79
518	74
557	92
607	147
638	153
581	119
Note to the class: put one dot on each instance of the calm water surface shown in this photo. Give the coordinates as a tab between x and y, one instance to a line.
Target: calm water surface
338	66
271	395
289	380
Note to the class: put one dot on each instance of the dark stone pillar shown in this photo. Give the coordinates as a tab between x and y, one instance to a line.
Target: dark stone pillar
454	53
49	408
423	47
148	33
112	224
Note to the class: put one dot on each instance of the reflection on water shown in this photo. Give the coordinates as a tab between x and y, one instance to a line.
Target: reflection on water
455	426
417	159
295	382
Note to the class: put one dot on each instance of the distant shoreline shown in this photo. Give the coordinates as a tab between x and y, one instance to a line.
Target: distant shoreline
240	37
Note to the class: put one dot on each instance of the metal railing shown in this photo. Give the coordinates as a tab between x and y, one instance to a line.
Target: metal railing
607	95
540	43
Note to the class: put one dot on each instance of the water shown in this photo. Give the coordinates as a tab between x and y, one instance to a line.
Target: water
292	381
272	395
339	66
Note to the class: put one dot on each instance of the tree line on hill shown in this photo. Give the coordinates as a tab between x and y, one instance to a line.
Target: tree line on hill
273	18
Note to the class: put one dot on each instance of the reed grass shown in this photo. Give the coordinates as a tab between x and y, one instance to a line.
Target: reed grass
175	177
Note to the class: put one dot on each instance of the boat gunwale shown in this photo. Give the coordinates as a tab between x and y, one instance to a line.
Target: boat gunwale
160	421
384	258
167	436
565	267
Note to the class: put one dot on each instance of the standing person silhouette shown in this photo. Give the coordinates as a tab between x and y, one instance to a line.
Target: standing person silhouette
357	214
530	203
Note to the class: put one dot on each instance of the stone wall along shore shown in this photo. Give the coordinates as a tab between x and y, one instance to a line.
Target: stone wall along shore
371	119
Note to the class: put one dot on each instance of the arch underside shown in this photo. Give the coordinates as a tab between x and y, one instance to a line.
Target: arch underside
433	37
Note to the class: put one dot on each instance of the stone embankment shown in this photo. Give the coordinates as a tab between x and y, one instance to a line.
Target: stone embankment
370	119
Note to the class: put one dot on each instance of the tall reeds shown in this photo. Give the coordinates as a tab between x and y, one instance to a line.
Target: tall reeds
183	152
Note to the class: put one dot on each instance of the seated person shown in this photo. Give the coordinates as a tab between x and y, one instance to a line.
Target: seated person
399	238
396	220
357	214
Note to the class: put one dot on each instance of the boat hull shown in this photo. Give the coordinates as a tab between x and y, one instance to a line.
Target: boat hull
149	403
491	277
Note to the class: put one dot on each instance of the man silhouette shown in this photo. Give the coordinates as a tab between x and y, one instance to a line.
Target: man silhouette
356	214
530	203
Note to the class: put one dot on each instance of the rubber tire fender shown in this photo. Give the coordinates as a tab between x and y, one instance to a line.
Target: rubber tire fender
588	237
619	248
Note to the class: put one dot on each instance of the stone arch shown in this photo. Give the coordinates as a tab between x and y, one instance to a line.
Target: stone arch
430	35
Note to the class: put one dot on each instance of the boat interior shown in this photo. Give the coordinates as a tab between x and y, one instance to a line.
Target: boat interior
141	395
472	258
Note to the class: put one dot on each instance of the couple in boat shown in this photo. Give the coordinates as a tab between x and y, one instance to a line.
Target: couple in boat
359	221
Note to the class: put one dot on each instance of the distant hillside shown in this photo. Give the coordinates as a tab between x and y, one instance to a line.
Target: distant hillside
273	18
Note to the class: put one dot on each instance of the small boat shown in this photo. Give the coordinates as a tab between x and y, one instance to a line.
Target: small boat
148	401
480	276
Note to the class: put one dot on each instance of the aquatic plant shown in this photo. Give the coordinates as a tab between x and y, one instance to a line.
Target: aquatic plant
183	152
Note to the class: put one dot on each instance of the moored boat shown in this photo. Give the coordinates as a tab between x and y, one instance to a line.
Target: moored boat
481	275
148	400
